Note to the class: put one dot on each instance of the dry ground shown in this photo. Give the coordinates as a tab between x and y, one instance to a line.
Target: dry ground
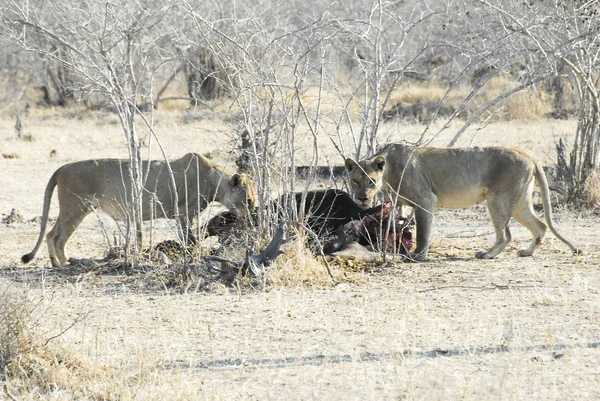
452	328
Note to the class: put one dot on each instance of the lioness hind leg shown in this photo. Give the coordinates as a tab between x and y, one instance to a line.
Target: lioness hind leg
525	215
50	240
58	237
497	207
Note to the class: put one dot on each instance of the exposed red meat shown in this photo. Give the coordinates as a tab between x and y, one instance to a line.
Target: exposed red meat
386	230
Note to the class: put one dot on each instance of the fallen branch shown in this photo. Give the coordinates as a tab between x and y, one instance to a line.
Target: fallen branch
257	264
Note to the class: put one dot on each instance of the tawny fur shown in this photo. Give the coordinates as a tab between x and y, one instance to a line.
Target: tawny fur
104	184
430	178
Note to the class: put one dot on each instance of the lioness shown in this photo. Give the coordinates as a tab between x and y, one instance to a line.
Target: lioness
104	184
426	178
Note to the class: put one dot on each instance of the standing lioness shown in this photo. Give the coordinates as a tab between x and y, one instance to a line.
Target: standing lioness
426	178
105	184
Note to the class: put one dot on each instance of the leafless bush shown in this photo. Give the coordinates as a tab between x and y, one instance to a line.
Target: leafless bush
556	51
592	189
207	78
58	86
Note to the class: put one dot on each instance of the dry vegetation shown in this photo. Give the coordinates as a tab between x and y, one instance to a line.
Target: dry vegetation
451	328
30	367
308	83
527	105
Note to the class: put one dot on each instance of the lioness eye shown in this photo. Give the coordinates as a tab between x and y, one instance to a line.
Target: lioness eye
355	181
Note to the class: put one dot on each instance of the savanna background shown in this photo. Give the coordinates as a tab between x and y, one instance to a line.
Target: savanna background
264	87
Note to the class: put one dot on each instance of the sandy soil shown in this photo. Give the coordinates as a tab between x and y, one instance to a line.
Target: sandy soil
450	328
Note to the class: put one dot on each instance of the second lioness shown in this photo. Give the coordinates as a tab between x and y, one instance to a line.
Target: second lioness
430	178
105	184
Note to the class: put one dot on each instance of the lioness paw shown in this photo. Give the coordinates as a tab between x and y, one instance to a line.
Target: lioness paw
416	257
524	253
483	255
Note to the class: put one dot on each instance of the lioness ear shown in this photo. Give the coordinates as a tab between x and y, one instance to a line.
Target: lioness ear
379	163
350	165
238	180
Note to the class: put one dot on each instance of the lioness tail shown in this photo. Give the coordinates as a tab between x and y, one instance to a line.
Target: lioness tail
540	176
47	198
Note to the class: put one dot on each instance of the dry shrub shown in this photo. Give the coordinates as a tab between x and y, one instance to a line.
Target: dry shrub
528	104
13	217
27	364
326	100
299	267
188	271
418	94
15	339
592	188
11	155
525	105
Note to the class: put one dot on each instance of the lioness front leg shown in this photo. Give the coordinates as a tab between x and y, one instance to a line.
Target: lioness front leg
424	220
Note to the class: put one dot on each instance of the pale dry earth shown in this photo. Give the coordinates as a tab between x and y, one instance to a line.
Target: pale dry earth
452	328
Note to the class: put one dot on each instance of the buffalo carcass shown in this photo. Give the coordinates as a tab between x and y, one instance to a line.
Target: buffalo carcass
336	220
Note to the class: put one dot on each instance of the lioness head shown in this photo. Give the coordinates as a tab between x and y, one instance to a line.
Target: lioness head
240	196
366	179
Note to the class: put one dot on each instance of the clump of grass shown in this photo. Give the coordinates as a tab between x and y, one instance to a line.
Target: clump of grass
298	266
188	269
28	366
524	105
430	92
15	339
592	189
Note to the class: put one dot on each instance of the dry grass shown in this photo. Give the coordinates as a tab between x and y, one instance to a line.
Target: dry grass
526	105
152	336
28	365
415	93
170	267
15	338
592	189
300	267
